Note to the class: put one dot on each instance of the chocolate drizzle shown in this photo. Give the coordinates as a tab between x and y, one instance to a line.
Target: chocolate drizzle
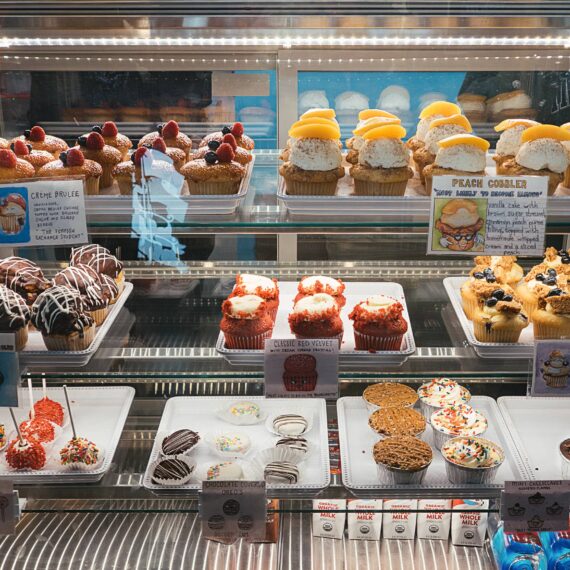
172	468
179	442
296	443
290	424
281	472
23	277
97	257
84	279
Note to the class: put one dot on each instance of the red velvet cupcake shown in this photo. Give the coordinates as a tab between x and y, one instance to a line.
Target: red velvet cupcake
246	322
316	316
378	324
321	284
267	289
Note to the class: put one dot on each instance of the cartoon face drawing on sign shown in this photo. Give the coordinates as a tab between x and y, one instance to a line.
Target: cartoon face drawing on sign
459	224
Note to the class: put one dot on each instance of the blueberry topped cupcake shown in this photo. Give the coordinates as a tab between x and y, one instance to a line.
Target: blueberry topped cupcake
502	264
242	156
237	131
482	282
538	282
552	318
37	137
172	136
24	277
37	158
558	259
114	138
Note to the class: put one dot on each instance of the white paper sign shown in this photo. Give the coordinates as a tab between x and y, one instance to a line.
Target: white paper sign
43	213
494	215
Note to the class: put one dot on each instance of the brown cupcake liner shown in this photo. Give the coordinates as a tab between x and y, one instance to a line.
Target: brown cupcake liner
99	315
72	342
566	181
106	179
495	335
542	331
21	338
10	224
296	188
470	307
555	381
125	186
213	188
375	343
367	188
92	186
238	342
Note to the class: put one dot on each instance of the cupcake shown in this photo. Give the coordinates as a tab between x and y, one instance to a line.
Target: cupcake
267	289
456	420
316	316
300	373
246	322
314	163
355	143
439	393
23	277
110	288
14	316
177	155
458	155
473	107
557	259
112	137
94	148
217	173
472	460
483	281
13	213
500	319
13	168
552	318
566	181
402	460
237	131
307	121
129	172
505	265
242	156
382	168
101	260
37	158
555	370
389	395
389	422
60	316
435	110
541	154
509	142
539	281
38	139
73	163
438	130
379	324
313	284
172	136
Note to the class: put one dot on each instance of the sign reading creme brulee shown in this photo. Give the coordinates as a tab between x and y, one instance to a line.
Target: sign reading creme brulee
494	215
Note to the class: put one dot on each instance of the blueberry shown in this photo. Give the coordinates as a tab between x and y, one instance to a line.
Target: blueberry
550	281
508	298
63	158
564	363
498	294
12	147
27	133
159	128
551	271
29	147
213	145
565	260
226	131
82	141
555	292
540	277
478	275
487	270
491	302
133	158
97	129
211	157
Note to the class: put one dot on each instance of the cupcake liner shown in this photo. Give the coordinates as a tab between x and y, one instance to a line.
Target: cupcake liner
296	188
566	181
213	188
237	342
367	188
459	475
495	335
225	416
338	336
257	465
529	307
92	186
106	179
428	184
10	224
21	338
440	437
542	331
555	381
125	186
300	382
99	315
269	423
470	306
81	467
174	482
210	440
377	343
71	342
271	454
394	476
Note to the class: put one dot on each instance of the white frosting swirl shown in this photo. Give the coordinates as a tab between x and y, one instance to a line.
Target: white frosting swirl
315	304
543	153
439	133
460	419
442	392
244	307
384	153
461	157
315	154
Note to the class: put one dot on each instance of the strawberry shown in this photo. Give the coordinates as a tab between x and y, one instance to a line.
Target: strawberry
170	130
237	130
95	141
75	157
140	152
7	158
159	144
21	148
37	134
230	139
225	153
109	129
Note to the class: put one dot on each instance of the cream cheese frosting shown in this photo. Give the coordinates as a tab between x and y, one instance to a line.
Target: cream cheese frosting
423	126
384	153
442	392
251	283
315	304
377	302
244	307
460	419
439	133
543	153
461	157
315	154
328	282
473	452
510	142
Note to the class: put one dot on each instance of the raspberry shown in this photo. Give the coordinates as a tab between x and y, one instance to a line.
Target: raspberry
159	144
8	159
109	129
237	130
75	157
170	130
140	152
230	139
37	134
21	148
225	153
95	141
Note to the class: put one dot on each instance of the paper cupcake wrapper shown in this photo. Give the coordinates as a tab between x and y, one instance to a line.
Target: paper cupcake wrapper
81	467
494	335
92	186
366	188
564	465
295	188
381	343
99	315
210	439
237	342
271	454
125	186
469	307
72	342
174	482
213	188
21	338
555	381
10	224
542	331
271	418
257	466
391	476
106	179
566	181
225	416
440	438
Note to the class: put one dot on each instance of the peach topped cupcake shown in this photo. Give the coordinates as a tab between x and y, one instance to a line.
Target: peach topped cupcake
237	131
37	158
316	316
112	137
355	143
304	121
383	159
242	156
172	136
37	137
541	154
94	148
314	284
510	142
13	168
435	110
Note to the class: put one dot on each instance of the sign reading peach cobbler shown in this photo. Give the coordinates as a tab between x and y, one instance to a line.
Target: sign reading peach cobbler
496	215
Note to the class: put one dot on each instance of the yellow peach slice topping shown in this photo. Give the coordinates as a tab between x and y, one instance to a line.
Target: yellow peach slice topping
459	120
510	123
369	113
323	113
444	108
471	140
375	122
315	131
565	126
385	132
545	132
314	121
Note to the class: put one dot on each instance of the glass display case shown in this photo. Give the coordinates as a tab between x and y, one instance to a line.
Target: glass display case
160	361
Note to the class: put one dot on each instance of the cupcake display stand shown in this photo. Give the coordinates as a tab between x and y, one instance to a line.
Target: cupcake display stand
348	356
359	472
200	414
522	349
99	412
35	352
538	426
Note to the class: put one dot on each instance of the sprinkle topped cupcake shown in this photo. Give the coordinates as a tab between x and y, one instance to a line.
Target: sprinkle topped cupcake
510	141
37	137
472	452
172	136
37	158
316	316
439	393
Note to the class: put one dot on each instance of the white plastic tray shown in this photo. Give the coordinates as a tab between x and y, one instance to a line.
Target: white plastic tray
35	352
359	471
199	414
522	349
99	413
348	356
538	426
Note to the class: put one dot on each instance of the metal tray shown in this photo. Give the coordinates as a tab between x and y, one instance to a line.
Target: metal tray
354	293
357	440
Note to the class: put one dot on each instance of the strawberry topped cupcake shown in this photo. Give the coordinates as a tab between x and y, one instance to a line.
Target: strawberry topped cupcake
242	156
177	155
379	324
237	131
37	158
4	143
37	137
13	213
13	168
112	137
316	316
128	172
246	322
216	173
314	284
267	289
94	148
172	136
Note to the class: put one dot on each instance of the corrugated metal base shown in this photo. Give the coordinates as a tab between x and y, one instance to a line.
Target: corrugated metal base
171	541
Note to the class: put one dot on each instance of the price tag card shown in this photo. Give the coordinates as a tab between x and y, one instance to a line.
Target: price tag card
233	509
301	368
535	505
551	368
9	379
43	213
495	215
8	508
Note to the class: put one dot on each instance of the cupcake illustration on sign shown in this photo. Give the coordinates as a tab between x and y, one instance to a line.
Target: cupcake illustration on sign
13	213
555	370
459	225
300	373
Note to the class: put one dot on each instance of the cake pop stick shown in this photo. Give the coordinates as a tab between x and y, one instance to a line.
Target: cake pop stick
31	395
17	427
69	411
